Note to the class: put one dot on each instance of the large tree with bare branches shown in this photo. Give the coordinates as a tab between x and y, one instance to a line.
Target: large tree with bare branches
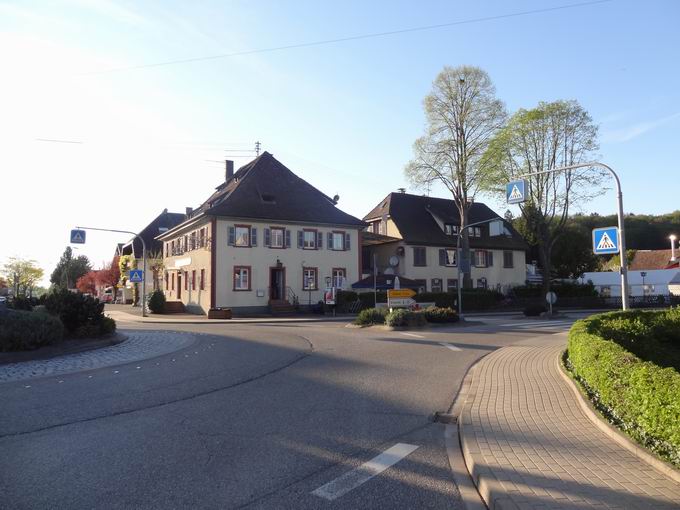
463	115
549	136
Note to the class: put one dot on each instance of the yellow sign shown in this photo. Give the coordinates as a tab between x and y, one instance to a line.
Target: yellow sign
400	293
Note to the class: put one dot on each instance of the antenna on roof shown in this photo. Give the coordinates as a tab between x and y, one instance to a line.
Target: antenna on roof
257	148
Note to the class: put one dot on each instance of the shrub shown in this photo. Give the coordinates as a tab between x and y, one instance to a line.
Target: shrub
562	289
371	316
23	331
74	309
106	326
534	310
402	317
639	396
156	301
22	303
435	314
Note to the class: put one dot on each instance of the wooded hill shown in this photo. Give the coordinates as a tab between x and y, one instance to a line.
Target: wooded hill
643	231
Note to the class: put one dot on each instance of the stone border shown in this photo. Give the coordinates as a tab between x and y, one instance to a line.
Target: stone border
67	346
458	461
612	432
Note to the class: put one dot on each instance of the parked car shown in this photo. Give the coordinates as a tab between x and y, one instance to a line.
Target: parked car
107	295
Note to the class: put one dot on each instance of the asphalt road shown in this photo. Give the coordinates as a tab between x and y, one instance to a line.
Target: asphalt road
251	415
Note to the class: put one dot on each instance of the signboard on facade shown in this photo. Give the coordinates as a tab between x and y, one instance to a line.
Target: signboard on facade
329	296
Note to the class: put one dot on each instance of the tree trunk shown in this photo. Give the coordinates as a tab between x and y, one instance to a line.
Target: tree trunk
544	257
465	246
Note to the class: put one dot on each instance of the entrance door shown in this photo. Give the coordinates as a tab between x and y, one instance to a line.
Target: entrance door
277	283
179	285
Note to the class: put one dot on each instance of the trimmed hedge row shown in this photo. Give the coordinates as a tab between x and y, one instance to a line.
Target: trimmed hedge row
403	317
640	397
22	330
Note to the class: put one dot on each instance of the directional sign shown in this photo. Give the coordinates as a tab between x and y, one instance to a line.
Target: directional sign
401	303
77	236
136	276
400	293
606	240
515	192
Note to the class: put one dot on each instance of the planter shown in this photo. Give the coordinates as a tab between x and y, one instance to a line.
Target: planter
219	313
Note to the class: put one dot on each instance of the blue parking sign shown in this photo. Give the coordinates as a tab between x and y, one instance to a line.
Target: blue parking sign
136	276
606	240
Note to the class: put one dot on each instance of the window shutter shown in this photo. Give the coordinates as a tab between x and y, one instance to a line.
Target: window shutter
232	236
330	240
442	257
267	237
319	240
489	259
301	239
287	234
253	236
348	239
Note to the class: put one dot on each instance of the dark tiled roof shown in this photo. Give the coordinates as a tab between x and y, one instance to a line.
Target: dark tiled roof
651	259
266	189
413	216
369	238
164	221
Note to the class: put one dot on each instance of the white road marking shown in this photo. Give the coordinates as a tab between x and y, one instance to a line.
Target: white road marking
534	323
450	346
411	334
362	474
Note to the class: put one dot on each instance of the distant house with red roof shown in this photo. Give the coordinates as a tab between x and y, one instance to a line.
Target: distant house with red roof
645	260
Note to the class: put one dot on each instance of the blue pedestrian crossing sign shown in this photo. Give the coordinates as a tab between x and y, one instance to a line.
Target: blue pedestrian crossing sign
77	236
515	192
136	276
606	240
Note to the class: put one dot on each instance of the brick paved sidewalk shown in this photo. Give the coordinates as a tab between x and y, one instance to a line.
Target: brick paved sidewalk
528	444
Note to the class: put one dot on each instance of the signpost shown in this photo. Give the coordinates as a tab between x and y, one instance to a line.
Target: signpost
81	235
602	246
515	192
77	236
400	298
136	276
606	241
551	298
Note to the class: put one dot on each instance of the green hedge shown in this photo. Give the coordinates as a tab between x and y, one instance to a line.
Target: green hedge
437	315
639	396
562	289
371	316
402	317
25	331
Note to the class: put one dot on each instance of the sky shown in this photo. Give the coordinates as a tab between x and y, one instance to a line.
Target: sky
135	137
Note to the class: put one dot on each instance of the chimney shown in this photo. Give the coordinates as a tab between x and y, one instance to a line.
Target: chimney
401	190
229	168
189	210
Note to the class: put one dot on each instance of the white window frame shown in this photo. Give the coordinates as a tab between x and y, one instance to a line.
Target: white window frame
451	255
310	272
274	233
239	232
334	237
242	278
309	239
480	258
453	229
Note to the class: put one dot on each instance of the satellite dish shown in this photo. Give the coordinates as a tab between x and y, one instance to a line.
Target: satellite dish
394	261
389	270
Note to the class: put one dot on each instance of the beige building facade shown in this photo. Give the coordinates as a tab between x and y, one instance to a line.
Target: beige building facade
266	238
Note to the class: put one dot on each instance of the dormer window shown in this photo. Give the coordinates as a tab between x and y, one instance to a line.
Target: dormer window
450	229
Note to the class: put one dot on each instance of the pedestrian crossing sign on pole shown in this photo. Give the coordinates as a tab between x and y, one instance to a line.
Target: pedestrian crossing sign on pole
77	236
515	192
606	240
136	276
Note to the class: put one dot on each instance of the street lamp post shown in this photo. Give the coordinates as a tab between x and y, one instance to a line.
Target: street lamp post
143	258
672	237
622	231
460	235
